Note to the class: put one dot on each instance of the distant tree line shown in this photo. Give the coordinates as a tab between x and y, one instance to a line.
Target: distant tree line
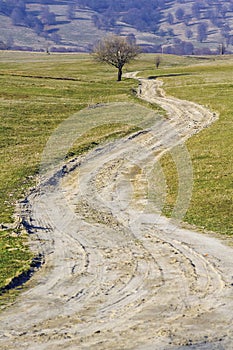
37	21
17	11
147	16
143	15
204	12
200	19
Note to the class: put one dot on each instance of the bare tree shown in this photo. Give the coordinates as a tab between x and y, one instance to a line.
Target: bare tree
179	14
202	31
157	61
222	49
116	51
70	13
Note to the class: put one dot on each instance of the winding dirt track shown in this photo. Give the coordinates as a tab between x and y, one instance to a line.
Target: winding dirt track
118	275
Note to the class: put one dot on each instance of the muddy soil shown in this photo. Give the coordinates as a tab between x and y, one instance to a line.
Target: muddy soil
117	274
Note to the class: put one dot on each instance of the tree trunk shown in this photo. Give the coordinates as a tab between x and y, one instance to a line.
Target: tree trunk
119	74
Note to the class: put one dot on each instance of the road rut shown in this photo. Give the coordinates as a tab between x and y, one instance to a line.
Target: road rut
117	274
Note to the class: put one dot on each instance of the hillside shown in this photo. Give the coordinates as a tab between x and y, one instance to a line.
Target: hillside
179	26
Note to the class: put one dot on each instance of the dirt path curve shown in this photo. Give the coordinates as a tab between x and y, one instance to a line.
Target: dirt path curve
118	275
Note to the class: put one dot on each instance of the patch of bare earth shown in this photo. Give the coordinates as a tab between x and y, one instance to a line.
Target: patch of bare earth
118	275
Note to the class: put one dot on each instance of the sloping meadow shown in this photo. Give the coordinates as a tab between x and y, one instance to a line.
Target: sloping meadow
39	91
209	84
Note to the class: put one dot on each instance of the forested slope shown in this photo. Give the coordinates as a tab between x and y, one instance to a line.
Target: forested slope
178	26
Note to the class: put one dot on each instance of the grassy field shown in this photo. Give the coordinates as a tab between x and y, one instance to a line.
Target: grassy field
39	91
210	84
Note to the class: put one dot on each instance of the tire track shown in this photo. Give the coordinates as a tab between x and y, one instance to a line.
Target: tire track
118	275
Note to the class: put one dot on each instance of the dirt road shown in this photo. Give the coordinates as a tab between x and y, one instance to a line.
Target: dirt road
118	275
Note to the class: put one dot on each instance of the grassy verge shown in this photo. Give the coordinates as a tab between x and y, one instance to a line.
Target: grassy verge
210	84
15	258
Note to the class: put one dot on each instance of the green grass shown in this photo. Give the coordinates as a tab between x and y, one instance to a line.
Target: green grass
38	92
31	108
210	84
99	135
15	258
